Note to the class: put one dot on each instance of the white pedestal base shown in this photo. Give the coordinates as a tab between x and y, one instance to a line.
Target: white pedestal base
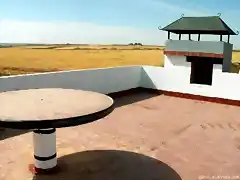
45	148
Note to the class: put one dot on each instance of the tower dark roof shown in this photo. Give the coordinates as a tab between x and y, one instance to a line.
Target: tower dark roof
200	25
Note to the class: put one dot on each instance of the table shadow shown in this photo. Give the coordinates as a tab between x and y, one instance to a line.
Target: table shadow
8	133
132	96
110	165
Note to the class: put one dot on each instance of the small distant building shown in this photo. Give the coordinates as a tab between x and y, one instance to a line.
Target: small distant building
202	57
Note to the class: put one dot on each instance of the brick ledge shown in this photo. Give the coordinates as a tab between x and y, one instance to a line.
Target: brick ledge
203	98
198	54
177	94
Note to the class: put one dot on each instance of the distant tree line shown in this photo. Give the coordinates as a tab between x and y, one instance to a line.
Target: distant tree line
135	44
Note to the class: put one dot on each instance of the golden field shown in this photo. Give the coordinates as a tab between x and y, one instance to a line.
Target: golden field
32	59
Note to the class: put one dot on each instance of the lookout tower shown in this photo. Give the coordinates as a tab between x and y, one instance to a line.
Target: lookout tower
201	58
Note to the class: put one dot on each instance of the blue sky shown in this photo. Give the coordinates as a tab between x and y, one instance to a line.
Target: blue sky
105	21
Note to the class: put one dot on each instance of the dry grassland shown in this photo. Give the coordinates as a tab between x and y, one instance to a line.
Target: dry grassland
23	60
107	47
32	59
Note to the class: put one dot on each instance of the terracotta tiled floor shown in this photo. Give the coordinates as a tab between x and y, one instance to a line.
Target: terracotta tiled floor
159	137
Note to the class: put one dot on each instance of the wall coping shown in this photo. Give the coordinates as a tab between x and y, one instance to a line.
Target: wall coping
198	54
67	71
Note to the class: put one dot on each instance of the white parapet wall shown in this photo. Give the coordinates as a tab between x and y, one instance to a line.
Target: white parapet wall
175	77
224	85
104	80
109	80
178	62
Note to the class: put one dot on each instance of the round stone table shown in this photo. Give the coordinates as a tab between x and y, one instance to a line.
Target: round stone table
44	110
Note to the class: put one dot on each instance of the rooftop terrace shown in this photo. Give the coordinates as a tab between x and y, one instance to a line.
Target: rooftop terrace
148	136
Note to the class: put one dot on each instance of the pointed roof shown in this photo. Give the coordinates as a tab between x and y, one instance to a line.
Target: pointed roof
199	25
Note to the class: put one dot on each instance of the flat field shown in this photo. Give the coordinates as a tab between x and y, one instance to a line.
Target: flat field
32	59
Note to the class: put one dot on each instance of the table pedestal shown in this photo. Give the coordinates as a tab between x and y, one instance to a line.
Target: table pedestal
45	155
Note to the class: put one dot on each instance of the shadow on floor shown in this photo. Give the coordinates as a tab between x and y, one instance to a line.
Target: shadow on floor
132	96
7	133
110	165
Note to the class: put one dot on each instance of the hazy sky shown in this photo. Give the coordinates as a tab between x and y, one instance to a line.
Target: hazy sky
104	21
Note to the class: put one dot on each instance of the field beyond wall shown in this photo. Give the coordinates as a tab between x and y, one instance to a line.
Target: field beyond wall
33	59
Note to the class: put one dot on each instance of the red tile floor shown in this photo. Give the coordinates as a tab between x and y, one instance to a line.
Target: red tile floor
147	137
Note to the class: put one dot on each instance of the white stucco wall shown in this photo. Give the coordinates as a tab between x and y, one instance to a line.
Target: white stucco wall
217	68
105	80
175	76
176	62
224	85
